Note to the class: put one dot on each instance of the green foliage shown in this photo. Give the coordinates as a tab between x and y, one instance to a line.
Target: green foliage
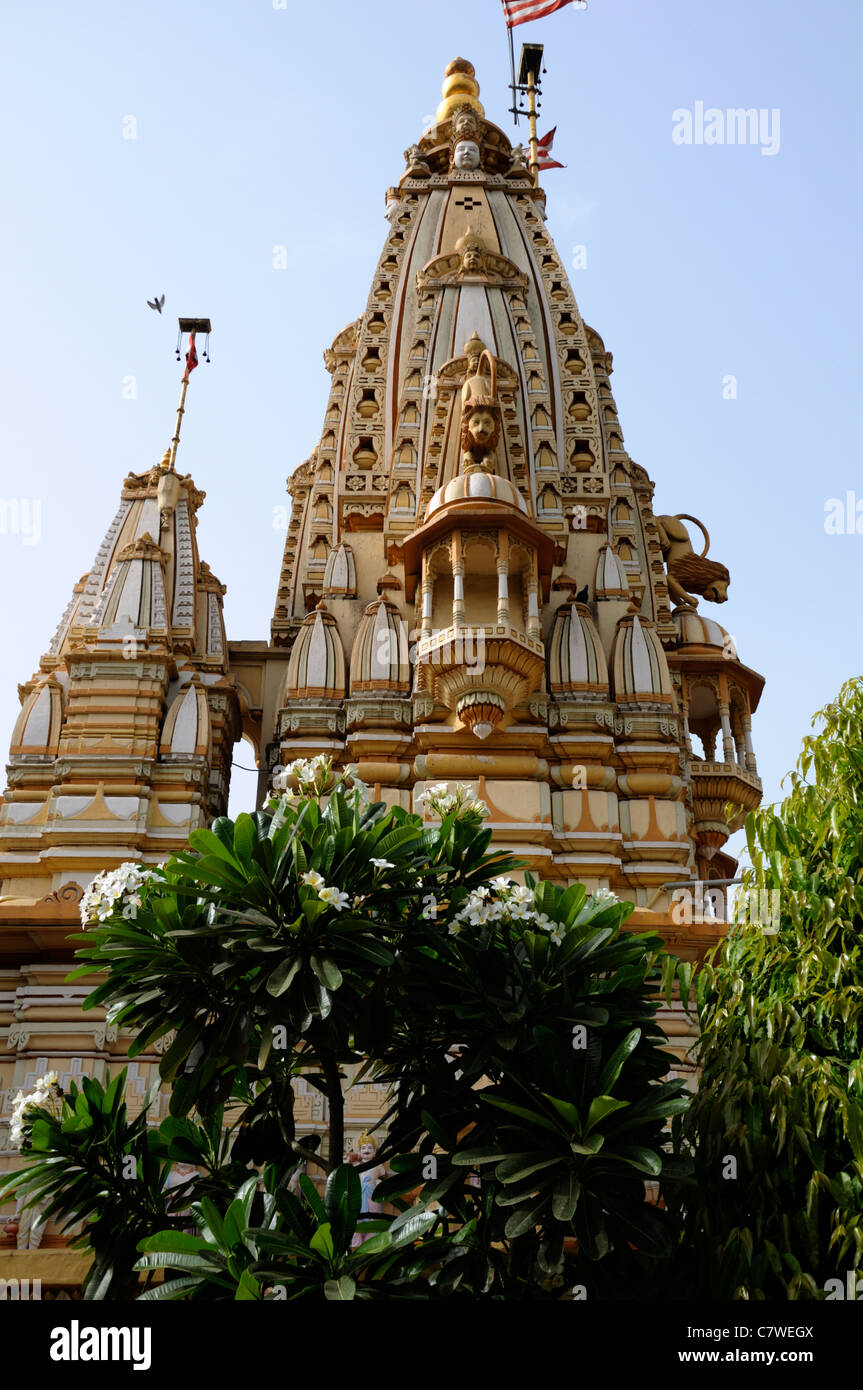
236	946
781	1095
283	1245
515	1028
78	1168
540	1071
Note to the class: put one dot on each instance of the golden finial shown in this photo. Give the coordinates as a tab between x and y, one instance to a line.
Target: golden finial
460	88
165	460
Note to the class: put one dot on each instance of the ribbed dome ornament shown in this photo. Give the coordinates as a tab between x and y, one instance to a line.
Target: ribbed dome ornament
480	711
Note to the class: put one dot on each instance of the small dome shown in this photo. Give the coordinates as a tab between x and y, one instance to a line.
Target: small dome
37	728
638	662
316	669
187	725
694	629
379	659
576	661
135	593
340	575
479	485
611	581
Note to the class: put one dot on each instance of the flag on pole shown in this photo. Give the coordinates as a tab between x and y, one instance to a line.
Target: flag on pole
192	354
522	11
543	150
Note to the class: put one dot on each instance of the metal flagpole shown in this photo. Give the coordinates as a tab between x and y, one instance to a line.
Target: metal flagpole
514	107
531	121
192	327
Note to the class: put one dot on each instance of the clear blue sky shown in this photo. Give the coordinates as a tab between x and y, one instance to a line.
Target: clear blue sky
259	127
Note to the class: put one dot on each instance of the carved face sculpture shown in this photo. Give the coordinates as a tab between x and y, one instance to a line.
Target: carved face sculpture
482	426
367	1152
471	256
466	155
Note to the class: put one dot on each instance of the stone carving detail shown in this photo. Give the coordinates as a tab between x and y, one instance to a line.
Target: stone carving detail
96	577
686	570
214	637
68	893
416	164
480	410
184	582
472	262
57	639
607	720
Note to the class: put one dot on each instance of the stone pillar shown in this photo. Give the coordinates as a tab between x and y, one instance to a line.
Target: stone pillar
747	744
534	629
503	617
458	619
727	739
428	598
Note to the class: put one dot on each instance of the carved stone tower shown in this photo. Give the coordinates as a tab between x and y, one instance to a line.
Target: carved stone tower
474	584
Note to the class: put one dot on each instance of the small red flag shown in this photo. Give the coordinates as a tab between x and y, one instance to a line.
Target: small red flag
191	355
544	151
522	11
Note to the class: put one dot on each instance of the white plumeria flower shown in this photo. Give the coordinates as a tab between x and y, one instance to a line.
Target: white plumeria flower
360	787
382	863
121	885
313	879
604	895
477	915
333	898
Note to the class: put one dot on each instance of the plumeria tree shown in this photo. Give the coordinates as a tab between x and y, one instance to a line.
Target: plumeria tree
513	1023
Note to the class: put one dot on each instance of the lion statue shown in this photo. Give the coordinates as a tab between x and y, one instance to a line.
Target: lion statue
686	570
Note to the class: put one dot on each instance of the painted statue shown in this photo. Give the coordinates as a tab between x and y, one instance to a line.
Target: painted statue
480	410
369	1178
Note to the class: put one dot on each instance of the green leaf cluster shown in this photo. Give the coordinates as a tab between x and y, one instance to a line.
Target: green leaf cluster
776	1128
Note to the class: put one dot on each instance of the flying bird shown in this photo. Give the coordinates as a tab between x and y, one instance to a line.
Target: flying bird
156	303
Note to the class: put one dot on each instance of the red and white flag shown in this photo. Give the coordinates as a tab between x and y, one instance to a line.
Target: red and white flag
544	145
522	11
192	354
